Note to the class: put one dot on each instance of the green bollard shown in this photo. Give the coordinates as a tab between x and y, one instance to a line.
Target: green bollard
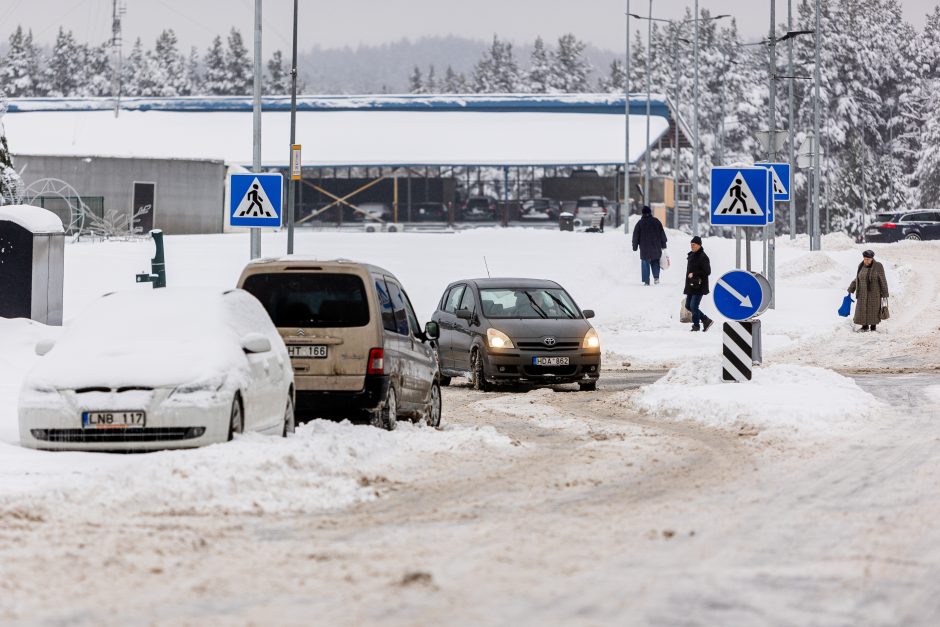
157	274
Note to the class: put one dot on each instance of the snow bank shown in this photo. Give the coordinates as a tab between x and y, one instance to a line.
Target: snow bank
323	466
783	398
35	219
18	338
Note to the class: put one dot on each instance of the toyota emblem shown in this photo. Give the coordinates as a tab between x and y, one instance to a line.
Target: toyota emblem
549	341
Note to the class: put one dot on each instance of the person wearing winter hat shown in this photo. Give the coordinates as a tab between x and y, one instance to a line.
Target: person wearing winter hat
872	288
697	271
650	237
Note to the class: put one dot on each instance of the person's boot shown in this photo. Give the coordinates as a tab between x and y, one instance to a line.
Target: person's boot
707	324
656	281
864	328
695	327
873	327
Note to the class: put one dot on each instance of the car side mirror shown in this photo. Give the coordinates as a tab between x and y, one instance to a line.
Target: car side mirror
44	346
432	330
256	343
588	313
464	314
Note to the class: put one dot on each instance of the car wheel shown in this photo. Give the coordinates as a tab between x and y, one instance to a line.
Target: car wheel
445	381
236	422
386	417
588	386
913	236
432	415
477	372
289	422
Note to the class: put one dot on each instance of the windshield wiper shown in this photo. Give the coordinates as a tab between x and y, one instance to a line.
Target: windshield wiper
535	306
561	304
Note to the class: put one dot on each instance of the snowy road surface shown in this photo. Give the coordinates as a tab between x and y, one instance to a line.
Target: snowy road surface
536	508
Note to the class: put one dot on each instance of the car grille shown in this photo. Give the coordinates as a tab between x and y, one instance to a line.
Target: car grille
87	436
541	371
540	346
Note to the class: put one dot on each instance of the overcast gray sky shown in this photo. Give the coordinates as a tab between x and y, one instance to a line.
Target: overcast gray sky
352	22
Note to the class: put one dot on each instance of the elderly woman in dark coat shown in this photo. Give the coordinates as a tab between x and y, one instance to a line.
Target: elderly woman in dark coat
872	287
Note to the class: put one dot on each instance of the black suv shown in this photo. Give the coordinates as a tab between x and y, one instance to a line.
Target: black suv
479	208
895	226
516	331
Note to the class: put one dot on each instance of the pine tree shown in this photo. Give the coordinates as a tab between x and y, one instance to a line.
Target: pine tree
416	81
538	76
62	74
496	71
238	66
16	77
613	83
96	71
430	85
278	80
569	69
169	76
215	83
193	84
11	186
928	166
454	83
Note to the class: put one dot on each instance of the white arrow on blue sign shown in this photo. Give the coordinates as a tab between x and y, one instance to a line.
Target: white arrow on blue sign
742	295
780	181
255	200
741	196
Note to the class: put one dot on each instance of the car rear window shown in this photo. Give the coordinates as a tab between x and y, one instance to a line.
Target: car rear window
528	303
885	217
311	299
590	202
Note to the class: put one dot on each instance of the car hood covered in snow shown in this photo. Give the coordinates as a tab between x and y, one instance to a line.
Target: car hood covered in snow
157	338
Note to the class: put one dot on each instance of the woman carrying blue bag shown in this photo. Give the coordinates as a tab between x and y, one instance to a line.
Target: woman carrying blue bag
871	287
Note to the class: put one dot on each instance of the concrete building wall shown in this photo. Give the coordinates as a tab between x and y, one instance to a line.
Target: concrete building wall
189	194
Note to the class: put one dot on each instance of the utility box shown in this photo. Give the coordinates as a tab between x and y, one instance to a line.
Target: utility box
32	264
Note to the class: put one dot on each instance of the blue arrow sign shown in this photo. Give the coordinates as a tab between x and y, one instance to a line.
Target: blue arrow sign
780	180
255	200
741	295
741	196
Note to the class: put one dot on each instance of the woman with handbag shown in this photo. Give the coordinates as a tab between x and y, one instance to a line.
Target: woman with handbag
872	292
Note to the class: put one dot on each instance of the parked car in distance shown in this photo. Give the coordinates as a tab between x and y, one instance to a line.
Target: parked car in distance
539	209
516	331
431	212
590	209
894	226
353	338
479	208
372	212
156	369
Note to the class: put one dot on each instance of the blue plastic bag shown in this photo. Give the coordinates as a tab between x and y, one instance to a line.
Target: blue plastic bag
846	307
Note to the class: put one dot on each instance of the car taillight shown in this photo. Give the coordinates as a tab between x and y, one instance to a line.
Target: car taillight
889	225
376	361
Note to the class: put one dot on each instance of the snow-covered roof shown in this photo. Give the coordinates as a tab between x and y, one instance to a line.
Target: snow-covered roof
33	219
345	131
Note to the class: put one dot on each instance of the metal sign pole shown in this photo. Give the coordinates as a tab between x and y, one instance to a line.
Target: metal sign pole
649	76
815	239
769	243
791	132
626	122
292	184
695	129
256	123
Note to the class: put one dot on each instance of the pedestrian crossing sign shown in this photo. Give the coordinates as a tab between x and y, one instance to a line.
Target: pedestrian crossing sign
741	196
255	200
781	179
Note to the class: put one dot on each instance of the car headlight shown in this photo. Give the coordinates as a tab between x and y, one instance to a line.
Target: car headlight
498	339
591	340
207	385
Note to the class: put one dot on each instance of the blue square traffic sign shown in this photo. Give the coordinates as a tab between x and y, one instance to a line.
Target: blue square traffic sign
780	181
255	199
741	196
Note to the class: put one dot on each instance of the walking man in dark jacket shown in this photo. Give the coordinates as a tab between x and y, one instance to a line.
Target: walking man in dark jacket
696	284
650	237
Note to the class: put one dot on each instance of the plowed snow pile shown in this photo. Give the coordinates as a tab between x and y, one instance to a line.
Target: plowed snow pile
785	398
323	466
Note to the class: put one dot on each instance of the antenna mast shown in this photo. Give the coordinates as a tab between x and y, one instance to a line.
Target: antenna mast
118	10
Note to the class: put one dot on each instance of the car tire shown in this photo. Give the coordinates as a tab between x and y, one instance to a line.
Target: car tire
478	372
914	237
386	417
445	381
432	413
236	421
587	386
290	422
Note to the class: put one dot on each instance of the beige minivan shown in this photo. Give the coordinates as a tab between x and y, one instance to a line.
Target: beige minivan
353	338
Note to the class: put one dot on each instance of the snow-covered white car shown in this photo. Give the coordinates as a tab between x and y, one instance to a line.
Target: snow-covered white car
156	369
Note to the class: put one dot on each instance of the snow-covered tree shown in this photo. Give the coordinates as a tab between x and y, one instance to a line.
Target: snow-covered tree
18	68
11	186
496	71
569	69
430	84
278	79
454	83
416	81
193	84
215	83
168	66
96	71
613	83
928	166
63	72
539	75
238	66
